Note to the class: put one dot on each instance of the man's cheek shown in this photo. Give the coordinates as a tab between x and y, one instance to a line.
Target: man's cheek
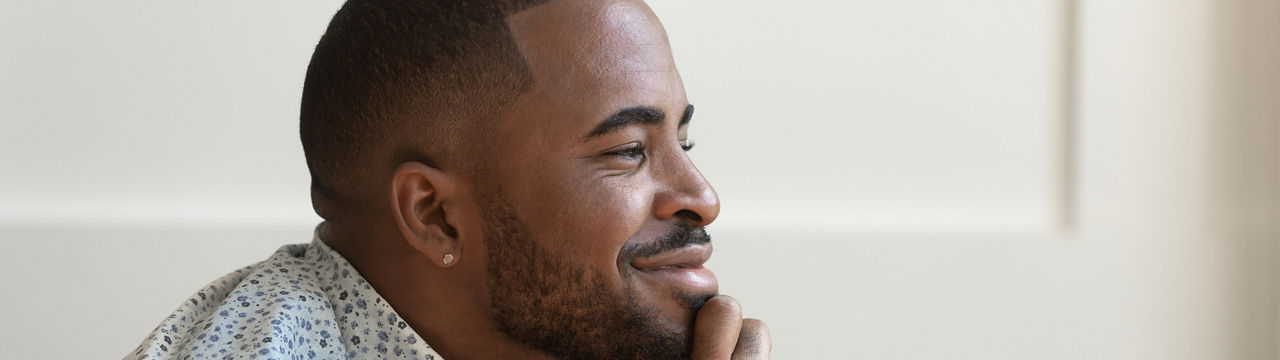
617	203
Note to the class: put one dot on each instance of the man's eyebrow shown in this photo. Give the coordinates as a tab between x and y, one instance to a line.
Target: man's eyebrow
688	115
636	115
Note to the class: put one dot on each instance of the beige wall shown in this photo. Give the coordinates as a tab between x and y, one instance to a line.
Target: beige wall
901	179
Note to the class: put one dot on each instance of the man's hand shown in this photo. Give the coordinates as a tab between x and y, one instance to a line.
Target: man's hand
720	333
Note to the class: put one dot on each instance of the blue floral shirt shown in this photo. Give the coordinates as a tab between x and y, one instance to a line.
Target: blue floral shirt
304	302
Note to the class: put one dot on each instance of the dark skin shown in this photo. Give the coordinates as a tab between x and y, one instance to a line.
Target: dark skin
581	196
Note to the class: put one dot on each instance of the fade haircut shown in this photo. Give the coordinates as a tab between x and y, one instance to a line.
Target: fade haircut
401	80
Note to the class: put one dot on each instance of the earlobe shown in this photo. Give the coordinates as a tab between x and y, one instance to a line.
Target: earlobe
419	194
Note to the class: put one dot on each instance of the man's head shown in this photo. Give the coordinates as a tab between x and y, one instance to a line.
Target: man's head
541	145
395	81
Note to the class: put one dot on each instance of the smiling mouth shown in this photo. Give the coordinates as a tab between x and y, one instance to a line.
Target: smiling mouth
680	268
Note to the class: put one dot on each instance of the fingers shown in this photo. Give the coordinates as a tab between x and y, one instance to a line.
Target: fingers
754	341
720	332
716	329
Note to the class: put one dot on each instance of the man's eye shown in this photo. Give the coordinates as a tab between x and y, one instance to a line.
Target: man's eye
686	145
630	151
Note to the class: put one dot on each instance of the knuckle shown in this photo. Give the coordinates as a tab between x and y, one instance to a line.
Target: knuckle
723	304
756	325
757	336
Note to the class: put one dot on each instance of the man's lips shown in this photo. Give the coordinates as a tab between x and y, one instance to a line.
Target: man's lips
681	268
691	256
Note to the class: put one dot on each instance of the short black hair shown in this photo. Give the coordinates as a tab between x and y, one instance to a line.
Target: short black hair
402	80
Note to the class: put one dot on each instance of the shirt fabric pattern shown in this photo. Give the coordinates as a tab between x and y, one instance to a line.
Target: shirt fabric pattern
304	302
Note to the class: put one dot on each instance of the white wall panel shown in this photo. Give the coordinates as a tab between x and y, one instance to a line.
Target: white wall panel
145	111
893	115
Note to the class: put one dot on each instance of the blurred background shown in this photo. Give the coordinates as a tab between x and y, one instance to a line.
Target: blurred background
923	179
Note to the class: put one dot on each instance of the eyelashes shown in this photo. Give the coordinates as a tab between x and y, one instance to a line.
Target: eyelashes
636	150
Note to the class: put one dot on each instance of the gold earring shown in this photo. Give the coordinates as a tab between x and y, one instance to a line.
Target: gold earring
448	258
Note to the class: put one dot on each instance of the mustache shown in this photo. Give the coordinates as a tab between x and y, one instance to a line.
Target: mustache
681	236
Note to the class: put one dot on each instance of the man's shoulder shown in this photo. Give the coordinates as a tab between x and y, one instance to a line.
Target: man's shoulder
274	308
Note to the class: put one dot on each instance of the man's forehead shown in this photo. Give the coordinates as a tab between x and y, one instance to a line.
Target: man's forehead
591	46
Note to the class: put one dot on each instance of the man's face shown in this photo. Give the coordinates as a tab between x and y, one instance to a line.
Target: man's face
594	233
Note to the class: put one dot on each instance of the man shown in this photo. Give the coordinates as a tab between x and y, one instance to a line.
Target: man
499	180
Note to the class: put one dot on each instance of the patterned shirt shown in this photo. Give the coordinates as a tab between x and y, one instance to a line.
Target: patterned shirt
304	302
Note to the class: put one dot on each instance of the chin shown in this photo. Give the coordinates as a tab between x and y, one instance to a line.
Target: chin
679	311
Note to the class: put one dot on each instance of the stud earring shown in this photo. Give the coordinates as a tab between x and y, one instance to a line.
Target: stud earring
448	258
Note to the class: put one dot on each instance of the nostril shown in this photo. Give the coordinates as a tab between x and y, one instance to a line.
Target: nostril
689	215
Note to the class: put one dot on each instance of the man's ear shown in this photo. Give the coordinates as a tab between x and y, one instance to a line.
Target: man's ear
421	197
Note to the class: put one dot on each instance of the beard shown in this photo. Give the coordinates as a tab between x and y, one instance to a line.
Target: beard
558	306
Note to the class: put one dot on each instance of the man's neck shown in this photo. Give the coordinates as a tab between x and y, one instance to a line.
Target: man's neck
449	309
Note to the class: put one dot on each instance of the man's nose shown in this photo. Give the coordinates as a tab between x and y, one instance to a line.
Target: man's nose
685	193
